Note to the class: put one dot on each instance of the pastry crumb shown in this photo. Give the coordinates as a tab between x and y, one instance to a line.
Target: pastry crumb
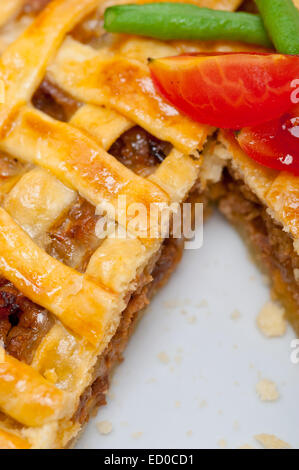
271	321
171	304
104	427
266	390
137	434
151	380
246	446
235	315
192	319
222	443
201	304
236	425
177	404
269	441
163	357
178	359
189	433
202	403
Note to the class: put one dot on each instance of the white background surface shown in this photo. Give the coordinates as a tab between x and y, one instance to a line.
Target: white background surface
206	392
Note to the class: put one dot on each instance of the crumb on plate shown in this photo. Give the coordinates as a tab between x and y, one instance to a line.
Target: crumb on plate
269	441
201	304
222	443
104	427
245	446
137	434
163	357
271	321
235	315
192	319
202	404
267	390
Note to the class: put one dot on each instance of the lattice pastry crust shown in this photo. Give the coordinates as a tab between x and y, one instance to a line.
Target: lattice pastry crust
62	160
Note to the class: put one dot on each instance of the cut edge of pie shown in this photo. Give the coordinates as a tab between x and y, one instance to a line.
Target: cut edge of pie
263	205
79	109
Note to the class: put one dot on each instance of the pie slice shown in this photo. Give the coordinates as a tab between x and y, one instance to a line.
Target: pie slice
81	127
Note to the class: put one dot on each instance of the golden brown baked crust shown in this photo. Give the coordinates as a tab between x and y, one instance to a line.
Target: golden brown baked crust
106	90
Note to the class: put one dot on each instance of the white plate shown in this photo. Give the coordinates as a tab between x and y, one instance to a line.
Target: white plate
206	392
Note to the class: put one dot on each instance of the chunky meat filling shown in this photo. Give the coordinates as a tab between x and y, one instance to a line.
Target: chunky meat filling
53	101
22	323
74	240
140	151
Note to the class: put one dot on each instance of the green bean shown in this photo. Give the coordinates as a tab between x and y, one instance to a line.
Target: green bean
281	19
185	21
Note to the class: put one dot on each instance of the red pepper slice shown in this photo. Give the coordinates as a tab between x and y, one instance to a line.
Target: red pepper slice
228	90
274	144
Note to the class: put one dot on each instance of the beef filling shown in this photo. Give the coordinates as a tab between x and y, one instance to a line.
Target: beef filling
95	395
55	102
74	240
140	151
271	245
22	323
